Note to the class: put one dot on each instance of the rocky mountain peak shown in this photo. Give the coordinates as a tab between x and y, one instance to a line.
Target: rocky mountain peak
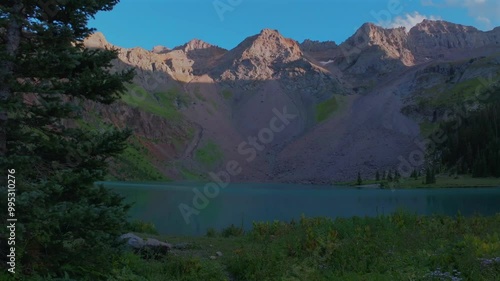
269	32
258	56
317	46
437	38
370	44
196	57
96	40
378	35
195	44
160	49
269	46
370	34
440	26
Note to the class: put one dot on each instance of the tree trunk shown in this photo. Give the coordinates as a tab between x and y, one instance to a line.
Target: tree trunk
12	40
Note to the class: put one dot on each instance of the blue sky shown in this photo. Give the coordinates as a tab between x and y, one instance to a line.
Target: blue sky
147	23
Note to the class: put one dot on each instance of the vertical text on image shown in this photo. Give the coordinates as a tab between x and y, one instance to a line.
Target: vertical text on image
11	220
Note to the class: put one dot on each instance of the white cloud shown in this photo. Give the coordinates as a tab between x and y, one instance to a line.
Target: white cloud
485	12
409	20
486	21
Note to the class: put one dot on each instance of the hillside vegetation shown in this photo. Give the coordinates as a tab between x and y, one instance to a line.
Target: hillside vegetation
472	140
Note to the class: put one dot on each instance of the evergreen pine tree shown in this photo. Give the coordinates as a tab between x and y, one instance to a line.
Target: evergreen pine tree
46	76
397	176
359	181
416	174
377	176
471	148
428	176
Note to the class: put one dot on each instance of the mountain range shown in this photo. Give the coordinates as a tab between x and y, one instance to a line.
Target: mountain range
284	111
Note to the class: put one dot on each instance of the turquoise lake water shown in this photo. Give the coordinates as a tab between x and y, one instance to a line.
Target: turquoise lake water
243	203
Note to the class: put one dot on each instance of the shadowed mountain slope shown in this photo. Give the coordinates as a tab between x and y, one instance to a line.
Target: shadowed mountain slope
357	107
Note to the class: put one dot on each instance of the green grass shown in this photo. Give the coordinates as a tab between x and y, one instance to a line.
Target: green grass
457	94
163	104
209	155
139	226
325	109
227	94
486	61
452	181
330	107
401	246
172	268
354	183
135	163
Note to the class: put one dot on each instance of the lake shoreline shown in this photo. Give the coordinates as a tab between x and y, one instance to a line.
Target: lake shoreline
192	208
442	181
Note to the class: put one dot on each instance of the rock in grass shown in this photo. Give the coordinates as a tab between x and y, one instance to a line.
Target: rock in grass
213	257
148	248
132	240
155	243
219	253
490	262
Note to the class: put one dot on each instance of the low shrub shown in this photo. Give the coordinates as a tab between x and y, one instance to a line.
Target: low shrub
232	230
139	226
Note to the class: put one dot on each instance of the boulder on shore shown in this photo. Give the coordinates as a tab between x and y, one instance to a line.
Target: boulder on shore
148	248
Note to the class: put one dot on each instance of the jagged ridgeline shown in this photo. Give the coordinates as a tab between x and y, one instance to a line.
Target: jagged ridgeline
358	106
